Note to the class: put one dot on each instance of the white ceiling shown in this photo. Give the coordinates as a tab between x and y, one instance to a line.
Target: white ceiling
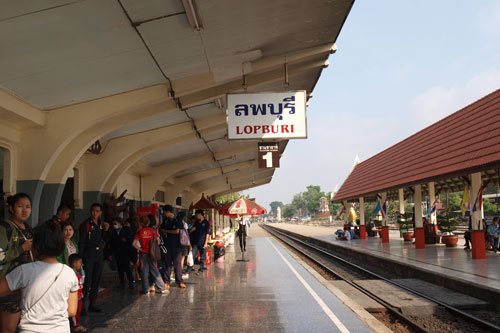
79	59
55	53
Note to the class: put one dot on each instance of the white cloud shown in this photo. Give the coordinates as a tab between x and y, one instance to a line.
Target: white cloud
440	101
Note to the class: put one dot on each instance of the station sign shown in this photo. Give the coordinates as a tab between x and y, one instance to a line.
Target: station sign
267	115
269	155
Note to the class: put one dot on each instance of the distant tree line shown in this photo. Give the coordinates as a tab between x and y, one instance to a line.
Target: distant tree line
309	202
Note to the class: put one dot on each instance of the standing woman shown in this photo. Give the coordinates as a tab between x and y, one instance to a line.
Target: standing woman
16	239
144	236
71	246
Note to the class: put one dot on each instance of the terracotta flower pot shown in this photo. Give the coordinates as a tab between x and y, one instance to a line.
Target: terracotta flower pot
450	240
408	236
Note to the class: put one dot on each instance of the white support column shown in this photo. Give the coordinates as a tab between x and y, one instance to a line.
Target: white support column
346	212
402	202
432	198
382	201
478	215
417	198
362	211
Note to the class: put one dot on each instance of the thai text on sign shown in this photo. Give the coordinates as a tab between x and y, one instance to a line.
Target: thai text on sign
267	115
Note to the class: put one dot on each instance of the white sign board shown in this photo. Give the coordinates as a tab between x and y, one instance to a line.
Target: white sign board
267	115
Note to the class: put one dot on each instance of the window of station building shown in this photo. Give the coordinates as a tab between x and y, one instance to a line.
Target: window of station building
178	201
159	196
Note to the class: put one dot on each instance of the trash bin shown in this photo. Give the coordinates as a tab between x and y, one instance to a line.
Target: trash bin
219	250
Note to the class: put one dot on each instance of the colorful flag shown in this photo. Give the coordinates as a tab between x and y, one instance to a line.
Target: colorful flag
465	199
342	211
383	211
428	208
433	207
478	204
377	209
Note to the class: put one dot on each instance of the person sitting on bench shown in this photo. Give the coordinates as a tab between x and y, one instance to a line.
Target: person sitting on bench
493	232
347	234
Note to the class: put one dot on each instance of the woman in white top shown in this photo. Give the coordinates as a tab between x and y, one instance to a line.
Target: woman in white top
49	289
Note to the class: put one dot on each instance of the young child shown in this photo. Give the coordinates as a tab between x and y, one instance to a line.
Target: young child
76	263
48	288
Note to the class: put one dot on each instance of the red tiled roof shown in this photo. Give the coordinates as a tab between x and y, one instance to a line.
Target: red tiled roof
203	203
466	140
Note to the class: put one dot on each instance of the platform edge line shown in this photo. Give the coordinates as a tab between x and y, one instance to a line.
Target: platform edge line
316	297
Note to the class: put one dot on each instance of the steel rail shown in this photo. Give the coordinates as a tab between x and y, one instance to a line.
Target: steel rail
478	321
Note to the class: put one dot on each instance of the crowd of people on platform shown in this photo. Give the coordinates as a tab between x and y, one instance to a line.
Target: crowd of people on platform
49	277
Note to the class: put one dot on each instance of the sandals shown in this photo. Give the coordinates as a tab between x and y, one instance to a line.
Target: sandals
80	329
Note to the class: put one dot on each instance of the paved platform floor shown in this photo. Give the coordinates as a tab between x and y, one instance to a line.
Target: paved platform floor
269	293
454	261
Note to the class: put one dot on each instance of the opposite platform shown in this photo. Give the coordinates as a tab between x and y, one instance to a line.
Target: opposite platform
442	264
271	292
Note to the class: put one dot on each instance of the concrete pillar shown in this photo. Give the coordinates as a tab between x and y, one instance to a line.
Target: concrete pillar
432	198
34	189
385	228
419	227
382	201
477	234
50	200
474	190
362	211
402	201
346	210
362	223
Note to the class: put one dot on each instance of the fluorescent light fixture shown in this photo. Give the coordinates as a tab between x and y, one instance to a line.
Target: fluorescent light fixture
192	14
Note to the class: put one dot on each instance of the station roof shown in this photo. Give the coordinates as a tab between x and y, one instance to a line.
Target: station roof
464	142
63	53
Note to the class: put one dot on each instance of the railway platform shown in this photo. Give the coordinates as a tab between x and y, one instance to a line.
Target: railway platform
271	292
452	267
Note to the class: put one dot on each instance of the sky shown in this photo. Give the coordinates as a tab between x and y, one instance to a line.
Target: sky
400	66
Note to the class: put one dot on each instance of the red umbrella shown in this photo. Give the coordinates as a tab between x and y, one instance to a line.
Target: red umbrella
245	207
224	210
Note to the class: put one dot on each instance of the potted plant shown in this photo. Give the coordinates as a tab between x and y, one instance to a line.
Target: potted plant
447	225
405	226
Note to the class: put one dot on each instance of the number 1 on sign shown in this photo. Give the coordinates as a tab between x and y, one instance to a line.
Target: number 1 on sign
268	157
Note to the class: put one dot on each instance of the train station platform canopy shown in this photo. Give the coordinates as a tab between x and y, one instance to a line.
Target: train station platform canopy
444	153
130	94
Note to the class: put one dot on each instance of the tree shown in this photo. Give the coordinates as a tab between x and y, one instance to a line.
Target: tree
223	199
274	206
454	201
490	209
299	203
312	198
289	211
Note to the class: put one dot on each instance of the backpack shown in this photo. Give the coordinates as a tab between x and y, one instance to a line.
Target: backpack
8	229
154	249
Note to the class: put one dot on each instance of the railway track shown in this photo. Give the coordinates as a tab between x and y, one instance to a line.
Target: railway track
348	272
